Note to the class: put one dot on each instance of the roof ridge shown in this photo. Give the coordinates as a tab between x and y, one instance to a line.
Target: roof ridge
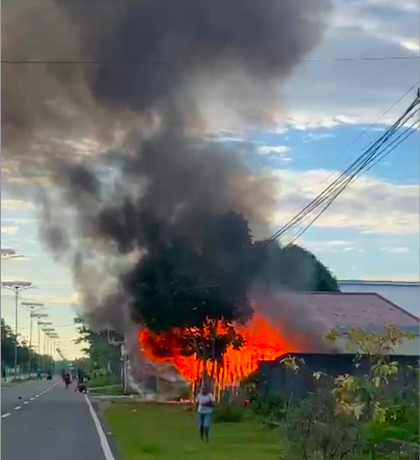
397	307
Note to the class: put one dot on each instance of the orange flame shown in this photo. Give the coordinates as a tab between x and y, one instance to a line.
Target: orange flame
263	342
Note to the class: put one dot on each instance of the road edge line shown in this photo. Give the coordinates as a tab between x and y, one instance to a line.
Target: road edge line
102	436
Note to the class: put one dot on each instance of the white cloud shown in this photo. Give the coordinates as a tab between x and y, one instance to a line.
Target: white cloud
405	5
320	136
9	230
17	258
396	250
333	246
369	205
281	129
16	205
328	93
274	149
73	299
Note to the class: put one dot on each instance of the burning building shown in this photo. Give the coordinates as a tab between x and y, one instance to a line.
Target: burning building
268	340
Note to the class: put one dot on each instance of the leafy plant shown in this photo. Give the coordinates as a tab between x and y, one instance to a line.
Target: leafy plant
292	363
272	406
228	413
315	431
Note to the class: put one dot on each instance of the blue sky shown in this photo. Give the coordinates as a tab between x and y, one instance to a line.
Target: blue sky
371	232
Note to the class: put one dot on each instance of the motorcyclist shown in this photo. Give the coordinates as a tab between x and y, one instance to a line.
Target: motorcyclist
67	380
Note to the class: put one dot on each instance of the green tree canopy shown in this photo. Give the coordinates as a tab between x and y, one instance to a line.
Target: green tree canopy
190	294
103	356
298	269
8	341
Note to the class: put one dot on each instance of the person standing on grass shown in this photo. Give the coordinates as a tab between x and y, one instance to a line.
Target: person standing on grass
205	402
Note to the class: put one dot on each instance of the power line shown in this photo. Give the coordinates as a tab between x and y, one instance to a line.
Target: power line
407	133
365	161
370	156
186	63
362	134
336	187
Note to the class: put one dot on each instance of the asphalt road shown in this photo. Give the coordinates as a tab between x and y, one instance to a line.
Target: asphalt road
48	423
17	394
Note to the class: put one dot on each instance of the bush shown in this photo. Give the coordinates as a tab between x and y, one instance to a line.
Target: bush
228	413
405	415
272	405
103	380
108	390
315	431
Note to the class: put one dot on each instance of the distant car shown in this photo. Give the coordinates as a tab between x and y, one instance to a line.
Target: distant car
49	377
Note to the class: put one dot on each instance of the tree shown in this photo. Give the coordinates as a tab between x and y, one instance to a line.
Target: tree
189	295
7	345
102	355
298	269
8	341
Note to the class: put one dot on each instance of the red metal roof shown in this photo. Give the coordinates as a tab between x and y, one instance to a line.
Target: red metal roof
354	309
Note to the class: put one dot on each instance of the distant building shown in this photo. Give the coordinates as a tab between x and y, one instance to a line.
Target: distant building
366	310
344	310
404	294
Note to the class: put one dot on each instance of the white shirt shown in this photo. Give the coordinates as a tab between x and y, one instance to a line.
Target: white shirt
202	400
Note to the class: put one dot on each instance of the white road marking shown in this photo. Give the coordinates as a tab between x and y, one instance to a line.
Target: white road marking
104	441
26	402
18	407
5	415
31	399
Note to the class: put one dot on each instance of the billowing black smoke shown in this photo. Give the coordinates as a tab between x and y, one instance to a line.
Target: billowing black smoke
111	121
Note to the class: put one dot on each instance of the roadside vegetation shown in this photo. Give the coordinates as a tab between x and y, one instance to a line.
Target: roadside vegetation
168	432
369	417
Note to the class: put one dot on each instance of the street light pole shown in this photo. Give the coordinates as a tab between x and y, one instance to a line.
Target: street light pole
53	336
41	354
32	315
47	332
17	287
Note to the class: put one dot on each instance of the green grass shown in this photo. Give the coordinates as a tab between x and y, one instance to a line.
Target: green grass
108	391
147	431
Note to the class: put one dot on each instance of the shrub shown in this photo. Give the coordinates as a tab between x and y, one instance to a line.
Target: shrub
228	413
103	380
272	405
315	431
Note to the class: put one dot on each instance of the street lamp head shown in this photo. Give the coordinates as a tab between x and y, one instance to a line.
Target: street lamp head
7	251
32	304
39	315
16	284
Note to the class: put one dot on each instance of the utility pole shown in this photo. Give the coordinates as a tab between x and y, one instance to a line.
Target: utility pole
119	340
40	316
53	337
32	315
17	287
41	350
47	331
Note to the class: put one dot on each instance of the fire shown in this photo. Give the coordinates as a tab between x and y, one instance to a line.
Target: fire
263	342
